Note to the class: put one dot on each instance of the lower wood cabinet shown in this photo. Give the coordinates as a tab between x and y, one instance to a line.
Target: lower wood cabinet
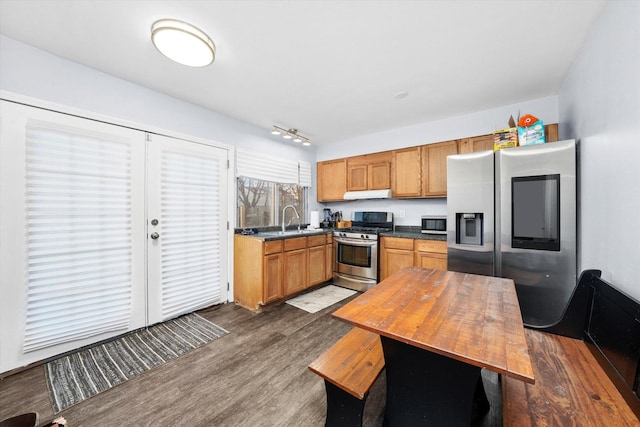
272	289
270	270
430	254
317	259
295	271
397	253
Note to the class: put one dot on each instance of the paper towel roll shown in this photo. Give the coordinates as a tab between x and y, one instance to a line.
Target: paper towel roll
314	221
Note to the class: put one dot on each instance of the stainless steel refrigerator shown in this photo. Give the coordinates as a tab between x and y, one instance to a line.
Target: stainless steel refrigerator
512	214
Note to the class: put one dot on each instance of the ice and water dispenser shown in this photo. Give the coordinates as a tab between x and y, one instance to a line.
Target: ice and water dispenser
469	228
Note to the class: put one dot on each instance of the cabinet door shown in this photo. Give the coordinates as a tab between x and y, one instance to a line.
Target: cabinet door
272	286
317	264
379	176
395	253
394	260
332	180
295	271
406	173
431	260
475	144
434	167
356	177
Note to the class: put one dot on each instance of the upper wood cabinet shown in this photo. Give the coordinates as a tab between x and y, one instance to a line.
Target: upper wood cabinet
369	172
406	169
475	144
414	172
332	180
434	167
551	132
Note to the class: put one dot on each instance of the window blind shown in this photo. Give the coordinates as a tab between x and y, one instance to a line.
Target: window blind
304	173
79	239
191	211
274	169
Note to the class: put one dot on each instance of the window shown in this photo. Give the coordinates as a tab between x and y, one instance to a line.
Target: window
260	203
267	184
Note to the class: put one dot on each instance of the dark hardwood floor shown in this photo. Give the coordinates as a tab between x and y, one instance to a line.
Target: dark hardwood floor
255	376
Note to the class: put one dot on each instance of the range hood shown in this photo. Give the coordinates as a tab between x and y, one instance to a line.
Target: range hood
368	194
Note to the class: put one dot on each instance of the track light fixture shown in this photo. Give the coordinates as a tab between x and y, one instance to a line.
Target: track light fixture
291	134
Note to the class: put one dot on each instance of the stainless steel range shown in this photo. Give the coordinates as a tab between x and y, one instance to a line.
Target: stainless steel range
356	264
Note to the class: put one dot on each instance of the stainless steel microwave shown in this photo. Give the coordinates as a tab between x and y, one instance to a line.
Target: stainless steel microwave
434	224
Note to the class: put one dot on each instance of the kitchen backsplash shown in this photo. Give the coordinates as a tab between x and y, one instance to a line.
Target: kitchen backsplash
405	211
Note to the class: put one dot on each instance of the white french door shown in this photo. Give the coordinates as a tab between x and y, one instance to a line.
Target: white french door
186	227
72	268
78	259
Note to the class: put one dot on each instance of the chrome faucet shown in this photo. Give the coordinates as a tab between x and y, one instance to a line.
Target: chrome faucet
297	216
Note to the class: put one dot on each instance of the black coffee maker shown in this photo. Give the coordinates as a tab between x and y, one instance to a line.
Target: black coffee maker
326	221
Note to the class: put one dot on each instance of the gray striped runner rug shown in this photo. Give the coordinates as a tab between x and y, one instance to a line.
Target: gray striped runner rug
85	373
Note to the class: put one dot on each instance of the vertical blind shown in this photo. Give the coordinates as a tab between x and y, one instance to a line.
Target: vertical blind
273	169
191	211
79	238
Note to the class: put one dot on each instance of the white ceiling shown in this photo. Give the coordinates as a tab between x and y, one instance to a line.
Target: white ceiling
329	68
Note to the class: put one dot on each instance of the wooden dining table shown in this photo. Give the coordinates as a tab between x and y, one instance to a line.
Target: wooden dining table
438	330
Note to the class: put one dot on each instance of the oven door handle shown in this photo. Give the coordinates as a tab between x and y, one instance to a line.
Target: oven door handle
356	242
353	279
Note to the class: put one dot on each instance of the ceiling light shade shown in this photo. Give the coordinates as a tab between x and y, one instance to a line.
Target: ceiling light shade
183	43
297	139
307	142
275	131
286	136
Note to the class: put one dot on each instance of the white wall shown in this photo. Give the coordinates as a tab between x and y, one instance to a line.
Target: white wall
464	126
479	123
34	73
599	105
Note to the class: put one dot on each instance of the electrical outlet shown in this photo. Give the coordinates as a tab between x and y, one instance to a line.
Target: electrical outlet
401	214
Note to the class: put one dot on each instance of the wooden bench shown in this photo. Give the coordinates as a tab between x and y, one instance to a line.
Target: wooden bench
591	376
349	368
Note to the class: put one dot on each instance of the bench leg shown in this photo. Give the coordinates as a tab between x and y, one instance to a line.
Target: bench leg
343	409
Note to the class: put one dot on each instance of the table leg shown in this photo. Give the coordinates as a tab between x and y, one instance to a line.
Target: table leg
425	388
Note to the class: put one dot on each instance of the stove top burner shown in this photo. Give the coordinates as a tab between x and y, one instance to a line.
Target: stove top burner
367	225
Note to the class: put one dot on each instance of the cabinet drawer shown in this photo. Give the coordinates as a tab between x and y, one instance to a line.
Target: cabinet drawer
438	246
272	247
295	243
397	243
316	240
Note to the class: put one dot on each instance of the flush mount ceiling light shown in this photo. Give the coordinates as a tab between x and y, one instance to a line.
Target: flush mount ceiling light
183	43
291	134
